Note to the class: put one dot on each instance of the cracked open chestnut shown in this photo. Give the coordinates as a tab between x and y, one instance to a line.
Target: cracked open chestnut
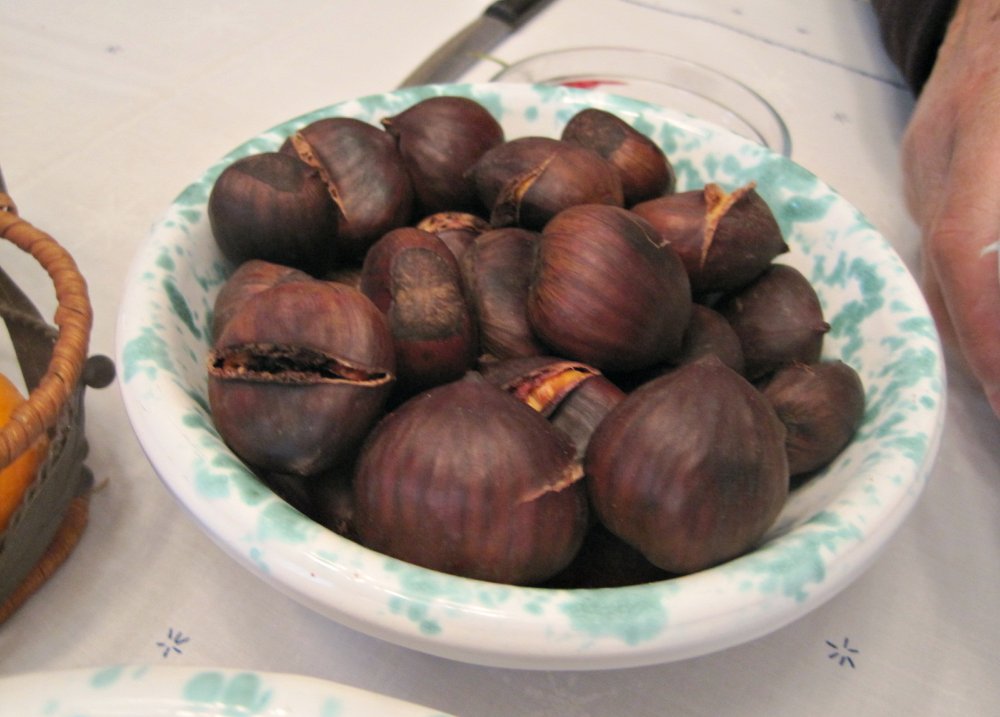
298	376
690	468
363	172
466	479
526	181
725	239
249	278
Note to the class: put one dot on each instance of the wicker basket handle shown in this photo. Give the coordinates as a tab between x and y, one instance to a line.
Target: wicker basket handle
73	318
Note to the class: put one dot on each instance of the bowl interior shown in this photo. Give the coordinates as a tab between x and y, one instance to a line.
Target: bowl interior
830	530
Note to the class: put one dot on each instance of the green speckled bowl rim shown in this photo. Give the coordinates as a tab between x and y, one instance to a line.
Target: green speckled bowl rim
182	691
829	532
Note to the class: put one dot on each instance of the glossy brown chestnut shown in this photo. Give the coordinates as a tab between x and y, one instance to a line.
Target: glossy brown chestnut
606	292
250	277
642	166
439	139
456	229
573	396
725	239
466	479
299	375
415	280
364	174
497	269
274	207
527	181
821	404
778	319
690	468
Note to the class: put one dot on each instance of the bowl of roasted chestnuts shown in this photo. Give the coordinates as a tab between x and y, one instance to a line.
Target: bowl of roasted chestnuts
531	376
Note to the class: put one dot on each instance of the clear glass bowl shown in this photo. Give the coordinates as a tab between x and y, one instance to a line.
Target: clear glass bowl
664	80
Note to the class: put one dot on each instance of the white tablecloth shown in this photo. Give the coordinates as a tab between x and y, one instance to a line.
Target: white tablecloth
108	108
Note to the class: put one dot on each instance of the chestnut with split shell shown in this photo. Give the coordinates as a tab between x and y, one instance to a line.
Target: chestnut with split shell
725	239
573	396
466	479
298	376
456	229
526	181
364	173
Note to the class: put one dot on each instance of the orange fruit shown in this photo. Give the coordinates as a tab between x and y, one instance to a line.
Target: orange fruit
19	474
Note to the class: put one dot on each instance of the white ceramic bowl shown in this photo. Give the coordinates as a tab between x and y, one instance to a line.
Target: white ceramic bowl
830	531
147	691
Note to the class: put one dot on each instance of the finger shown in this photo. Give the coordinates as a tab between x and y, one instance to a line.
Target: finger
968	223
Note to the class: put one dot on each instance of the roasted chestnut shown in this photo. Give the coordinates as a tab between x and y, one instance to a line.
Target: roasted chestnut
364	174
415	280
527	181
250	277
497	269
439	139
466	479
456	229
642	166
274	207
606	292
573	396
299	374
778	319
690	468
725	239
821	404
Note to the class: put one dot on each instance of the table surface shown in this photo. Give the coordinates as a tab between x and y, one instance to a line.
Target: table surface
111	107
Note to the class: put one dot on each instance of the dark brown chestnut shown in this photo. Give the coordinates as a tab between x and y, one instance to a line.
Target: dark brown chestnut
821	404
274	207
364	174
778	319
415	280
439	139
642	166
690	468
456	229
299	375
709	333
725	239
527	181
605	292
497	269
466	479
573	396
250	277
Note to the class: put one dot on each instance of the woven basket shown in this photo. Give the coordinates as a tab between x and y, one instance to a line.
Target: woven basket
51	514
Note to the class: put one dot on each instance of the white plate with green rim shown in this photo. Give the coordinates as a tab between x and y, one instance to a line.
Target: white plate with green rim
143	691
829	532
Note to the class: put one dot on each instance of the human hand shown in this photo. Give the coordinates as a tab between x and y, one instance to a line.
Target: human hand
951	164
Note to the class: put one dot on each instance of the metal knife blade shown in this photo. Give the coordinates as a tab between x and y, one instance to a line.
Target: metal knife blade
466	47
